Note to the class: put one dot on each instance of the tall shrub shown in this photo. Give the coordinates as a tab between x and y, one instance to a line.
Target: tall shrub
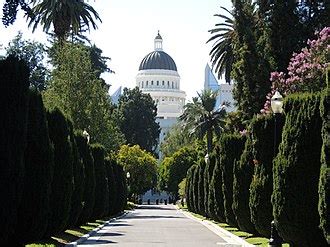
243	171
189	188
324	184
89	188
217	191
101	184
201	197
261	188
14	84
195	188
209	185
78	180
33	211
297	171
62	184
231	148
121	188
112	185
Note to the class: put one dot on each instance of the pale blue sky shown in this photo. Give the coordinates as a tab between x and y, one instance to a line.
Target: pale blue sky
129	27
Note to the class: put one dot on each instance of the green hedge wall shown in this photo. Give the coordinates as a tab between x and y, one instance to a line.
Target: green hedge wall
195	188
189	188
121	188
296	173
324	184
38	158
112	185
217	192
243	171
209	185
89	187
14	78
261	188
201	197
232	146
62	184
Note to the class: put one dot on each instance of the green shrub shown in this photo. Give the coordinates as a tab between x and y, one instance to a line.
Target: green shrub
89	187
261	188
195	188
209	186
296	173
38	158
189	188
112	185
231	148
14	84
121	188
78	181
201	198
101	184
62	184
242	177
217	189
324	184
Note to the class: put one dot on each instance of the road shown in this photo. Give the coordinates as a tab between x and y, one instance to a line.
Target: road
155	225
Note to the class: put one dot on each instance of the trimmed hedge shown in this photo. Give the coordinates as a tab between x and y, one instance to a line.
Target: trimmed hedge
189	188
243	171
33	212
195	188
101	205
14	84
296	173
89	188
217	190
261	188
232	146
121	188
201	197
62	184
112	185
324	184
209	185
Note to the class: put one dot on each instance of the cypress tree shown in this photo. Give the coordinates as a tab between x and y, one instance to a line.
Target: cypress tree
324	184
188	188
217	192
33	211
232	146
78	180
190	195
62	184
208	171
122	188
14	78
243	171
112	184
195	188
261	188
297	171
201	197
210	187
101	183
89	188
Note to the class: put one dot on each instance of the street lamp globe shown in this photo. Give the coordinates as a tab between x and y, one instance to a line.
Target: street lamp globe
276	103
207	159
86	135
128	175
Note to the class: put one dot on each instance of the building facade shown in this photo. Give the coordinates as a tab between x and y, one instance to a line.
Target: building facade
159	77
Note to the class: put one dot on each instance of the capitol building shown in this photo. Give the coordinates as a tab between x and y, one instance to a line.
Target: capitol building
159	77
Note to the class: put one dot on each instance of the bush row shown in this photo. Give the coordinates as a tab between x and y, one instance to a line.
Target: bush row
51	178
272	173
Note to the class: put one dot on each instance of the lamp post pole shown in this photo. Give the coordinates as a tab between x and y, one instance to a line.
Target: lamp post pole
128	176
276	105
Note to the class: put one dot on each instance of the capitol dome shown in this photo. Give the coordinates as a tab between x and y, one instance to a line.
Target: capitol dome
158	60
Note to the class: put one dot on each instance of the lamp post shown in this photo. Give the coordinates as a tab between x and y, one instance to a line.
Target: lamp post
128	176
277	108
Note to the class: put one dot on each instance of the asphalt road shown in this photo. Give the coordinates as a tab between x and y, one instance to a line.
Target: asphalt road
152	225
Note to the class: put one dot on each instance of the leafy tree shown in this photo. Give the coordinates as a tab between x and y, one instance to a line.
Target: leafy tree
121	198
14	86
34	54
77	90
222	55
112	184
64	15
10	8
200	118
137	119
182	188
142	167
209	184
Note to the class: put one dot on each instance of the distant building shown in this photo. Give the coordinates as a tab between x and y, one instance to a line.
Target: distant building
225	90
158	76
116	95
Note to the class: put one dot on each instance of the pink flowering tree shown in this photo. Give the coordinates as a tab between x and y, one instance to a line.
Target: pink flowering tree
306	71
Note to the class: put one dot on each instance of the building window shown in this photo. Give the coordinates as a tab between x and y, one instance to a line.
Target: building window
147	84
152	83
163	83
168	84
157	83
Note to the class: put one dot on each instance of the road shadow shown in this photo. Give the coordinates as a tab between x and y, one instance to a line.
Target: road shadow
96	242
108	234
134	216
155	207
120	224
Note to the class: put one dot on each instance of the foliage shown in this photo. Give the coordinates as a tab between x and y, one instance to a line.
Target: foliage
14	85
142	167
306	70
77	90
10	8
200	118
62	184
195	189
265	145
182	188
121	197
242	177
324	183
38	159
200	188
190	188
78	180
89	187
210	186
101	184
112	184
173	169
33	53
64	16
296	172
222	50
137	119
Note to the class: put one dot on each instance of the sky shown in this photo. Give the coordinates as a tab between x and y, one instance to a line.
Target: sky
127	34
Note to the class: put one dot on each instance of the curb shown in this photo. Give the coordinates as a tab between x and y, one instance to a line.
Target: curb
232	239
94	231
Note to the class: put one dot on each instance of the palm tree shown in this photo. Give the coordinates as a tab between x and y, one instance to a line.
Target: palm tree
222	50
65	15
200	118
